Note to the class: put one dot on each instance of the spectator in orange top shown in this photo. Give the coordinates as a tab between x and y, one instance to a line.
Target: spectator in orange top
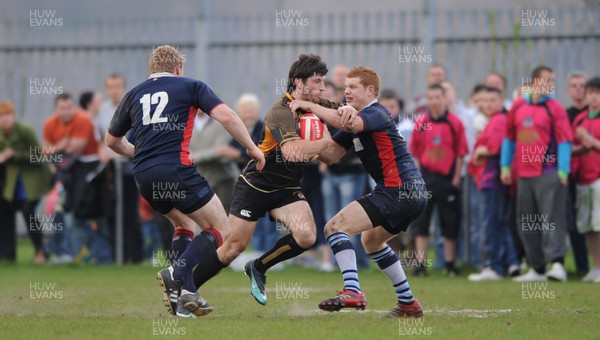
71	135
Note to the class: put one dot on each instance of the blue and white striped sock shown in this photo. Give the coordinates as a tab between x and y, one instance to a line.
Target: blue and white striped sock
388	262
346	258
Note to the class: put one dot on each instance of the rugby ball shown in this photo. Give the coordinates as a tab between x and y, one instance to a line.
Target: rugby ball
311	127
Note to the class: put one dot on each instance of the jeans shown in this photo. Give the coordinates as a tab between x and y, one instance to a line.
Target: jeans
476	228
97	242
152	238
339	190
62	242
498	245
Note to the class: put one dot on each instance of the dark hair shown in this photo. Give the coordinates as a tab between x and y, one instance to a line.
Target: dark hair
62	96
493	89
305	67
593	83
537	72
388	94
85	99
478	88
437	86
391	94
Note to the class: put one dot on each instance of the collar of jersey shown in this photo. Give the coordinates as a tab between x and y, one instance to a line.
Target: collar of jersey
543	99
371	103
443	117
161	74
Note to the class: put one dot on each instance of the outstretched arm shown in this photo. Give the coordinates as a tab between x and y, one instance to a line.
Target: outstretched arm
345	118
236	128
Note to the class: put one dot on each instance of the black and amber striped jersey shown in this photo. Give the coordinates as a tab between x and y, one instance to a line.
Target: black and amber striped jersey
281	125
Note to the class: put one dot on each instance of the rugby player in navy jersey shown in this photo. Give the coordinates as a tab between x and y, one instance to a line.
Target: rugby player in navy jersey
399	196
161	112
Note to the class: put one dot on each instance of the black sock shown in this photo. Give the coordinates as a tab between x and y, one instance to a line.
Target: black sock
541	270
449	265
560	260
285	248
207	269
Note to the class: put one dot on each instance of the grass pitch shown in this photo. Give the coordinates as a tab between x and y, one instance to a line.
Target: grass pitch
80	302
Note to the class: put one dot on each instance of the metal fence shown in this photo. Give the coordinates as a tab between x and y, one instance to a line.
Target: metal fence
237	52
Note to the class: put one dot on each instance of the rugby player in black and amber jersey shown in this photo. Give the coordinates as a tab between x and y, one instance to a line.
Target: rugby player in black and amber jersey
276	189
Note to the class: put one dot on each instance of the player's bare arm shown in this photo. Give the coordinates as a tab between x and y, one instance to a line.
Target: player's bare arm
332	154
119	145
345	118
298	150
235	127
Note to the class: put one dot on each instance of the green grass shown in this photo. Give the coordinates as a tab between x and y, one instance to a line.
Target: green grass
125	303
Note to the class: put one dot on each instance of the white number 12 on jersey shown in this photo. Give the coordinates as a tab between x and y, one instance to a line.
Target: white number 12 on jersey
161	98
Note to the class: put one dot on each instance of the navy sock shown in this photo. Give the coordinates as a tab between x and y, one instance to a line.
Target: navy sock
181	239
202	247
207	270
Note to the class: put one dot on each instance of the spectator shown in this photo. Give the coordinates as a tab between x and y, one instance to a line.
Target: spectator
91	102
114	86
497	80
484	166
71	134
468	118
248	107
577	93
439	146
26	180
538	140
338	78
221	172
478	105
390	100
587	148
61	246
330	90
418	106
